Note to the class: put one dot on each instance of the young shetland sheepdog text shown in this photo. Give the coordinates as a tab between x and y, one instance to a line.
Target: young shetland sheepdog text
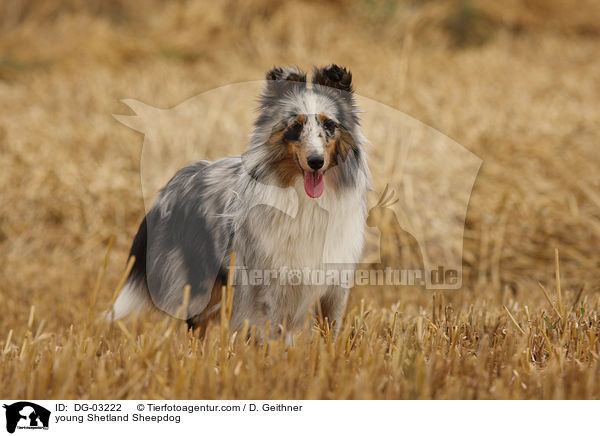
307	141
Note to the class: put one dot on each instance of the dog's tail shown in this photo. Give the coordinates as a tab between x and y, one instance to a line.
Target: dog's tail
134	296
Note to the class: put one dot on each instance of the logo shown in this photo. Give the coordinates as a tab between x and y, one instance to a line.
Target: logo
26	415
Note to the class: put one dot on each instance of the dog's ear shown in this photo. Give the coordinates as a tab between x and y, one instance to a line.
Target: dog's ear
333	76
293	74
282	79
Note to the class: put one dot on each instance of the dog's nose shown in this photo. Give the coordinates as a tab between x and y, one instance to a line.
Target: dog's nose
315	161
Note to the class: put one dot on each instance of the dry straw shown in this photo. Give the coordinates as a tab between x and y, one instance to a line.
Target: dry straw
487	75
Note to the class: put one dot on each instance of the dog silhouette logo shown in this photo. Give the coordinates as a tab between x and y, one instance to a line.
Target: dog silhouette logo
425	180
26	415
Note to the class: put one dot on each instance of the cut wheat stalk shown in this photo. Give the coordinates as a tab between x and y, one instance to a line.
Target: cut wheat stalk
512	318
557	275
549	300
99	279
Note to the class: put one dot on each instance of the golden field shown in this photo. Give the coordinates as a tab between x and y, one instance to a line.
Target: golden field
516	85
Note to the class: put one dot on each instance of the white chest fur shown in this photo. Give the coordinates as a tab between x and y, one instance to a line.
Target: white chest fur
326	230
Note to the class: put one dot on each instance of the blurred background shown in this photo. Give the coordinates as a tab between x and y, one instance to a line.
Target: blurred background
515	82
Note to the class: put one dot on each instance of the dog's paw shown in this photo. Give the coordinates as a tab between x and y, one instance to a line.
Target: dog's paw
294	277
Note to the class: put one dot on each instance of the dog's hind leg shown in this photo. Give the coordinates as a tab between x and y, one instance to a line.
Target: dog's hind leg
198	323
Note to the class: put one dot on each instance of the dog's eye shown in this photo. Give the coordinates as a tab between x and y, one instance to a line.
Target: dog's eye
293	132
329	125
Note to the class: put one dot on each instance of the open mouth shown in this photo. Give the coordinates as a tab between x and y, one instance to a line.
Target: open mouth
314	183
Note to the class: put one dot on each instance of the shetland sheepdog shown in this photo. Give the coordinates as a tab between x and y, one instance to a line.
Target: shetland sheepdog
295	201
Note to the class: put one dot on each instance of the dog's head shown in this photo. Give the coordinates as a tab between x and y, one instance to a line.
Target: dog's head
310	132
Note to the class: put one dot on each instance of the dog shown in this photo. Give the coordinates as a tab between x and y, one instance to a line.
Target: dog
306	153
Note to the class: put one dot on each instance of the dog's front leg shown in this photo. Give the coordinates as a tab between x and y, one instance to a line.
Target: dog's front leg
333	306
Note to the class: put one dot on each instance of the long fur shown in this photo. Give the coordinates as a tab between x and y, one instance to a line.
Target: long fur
209	210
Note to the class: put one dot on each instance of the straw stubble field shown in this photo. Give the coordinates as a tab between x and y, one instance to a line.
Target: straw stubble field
515	86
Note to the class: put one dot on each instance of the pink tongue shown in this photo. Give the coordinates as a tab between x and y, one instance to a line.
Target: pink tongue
314	183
